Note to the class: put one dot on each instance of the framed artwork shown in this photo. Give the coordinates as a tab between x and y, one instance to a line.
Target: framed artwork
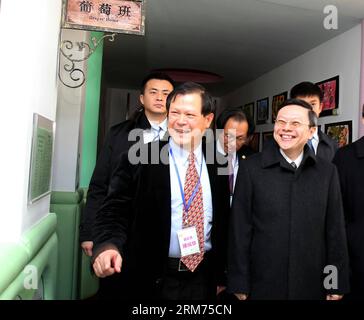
330	89
340	131
249	110
262	110
276	102
267	136
255	141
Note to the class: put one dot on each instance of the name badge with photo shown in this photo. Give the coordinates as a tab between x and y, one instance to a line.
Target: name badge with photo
188	241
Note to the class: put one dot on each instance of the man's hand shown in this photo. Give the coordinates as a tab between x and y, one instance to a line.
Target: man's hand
107	263
87	247
334	297
241	296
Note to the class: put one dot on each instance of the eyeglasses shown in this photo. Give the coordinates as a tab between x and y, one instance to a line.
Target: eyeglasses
291	124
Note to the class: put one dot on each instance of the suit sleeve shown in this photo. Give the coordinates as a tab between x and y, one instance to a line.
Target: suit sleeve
97	190
240	234
337	251
115	214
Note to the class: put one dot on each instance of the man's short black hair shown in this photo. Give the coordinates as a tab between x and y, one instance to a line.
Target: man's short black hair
312	117
237	114
306	89
157	76
189	88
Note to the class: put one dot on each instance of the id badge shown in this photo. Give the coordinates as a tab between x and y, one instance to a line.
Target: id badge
188	241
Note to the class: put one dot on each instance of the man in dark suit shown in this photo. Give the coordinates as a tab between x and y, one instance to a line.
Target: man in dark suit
235	129
148	226
149	122
284	234
323	145
350	163
154	92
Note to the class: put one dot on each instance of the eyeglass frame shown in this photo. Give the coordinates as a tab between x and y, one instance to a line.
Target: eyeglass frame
292	124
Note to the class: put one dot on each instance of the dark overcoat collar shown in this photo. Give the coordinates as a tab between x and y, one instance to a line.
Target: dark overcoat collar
271	156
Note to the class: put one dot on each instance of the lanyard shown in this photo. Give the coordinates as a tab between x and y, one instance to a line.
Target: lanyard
186	205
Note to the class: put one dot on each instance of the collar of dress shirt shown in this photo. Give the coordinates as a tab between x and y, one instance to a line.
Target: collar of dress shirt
221	150
289	160
162	125
181	155
315	135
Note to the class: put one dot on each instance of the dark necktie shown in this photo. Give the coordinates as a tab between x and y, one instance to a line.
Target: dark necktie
293	164
195	214
231	173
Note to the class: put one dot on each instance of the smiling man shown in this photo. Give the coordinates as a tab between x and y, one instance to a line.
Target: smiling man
161	222
283	231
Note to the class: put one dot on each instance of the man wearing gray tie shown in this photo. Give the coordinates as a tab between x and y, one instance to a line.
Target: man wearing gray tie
321	144
149	123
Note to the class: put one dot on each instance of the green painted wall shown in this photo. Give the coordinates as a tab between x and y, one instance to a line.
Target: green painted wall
91	115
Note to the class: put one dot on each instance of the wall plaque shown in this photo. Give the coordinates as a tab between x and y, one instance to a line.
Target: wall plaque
41	158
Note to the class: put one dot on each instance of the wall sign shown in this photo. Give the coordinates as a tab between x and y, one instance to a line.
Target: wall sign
105	15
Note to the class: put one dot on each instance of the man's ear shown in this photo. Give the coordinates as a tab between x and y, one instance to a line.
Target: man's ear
209	119
311	132
141	99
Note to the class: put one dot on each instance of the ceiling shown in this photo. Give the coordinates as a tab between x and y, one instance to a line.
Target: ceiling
239	40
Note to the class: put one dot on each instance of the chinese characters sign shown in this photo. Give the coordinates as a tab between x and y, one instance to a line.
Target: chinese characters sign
105	15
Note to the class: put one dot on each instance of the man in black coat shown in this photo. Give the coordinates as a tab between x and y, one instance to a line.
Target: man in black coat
147	123
322	144
154	92
140	228
284	233
350	163
234	130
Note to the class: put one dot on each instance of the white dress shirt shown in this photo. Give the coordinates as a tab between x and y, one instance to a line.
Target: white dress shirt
315	140
235	162
181	158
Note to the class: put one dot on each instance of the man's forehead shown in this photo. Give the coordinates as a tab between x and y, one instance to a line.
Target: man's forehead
293	111
310	97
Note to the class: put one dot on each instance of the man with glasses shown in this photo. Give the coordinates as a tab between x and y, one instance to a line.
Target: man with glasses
235	129
286	239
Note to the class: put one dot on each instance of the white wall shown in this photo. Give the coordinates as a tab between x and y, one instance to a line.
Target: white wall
338	56
28	82
70	107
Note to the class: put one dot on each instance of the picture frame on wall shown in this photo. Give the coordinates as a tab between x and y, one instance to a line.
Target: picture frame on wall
266	136
340	131
248	109
254	142
330	90
262	111
277	100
